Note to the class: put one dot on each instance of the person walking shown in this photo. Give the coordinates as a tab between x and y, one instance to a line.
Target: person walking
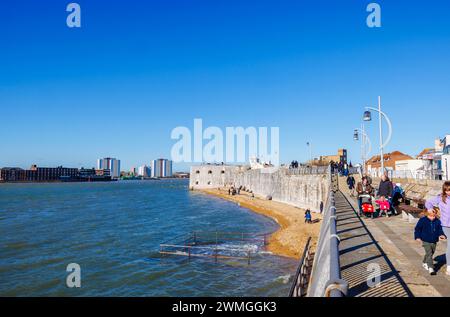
351	184
363	188
386	189
428	231
308	218
442	201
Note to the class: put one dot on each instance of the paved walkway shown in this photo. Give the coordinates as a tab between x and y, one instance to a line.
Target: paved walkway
388	243
359	251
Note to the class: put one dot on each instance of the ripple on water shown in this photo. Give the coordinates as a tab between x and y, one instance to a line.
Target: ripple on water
113	230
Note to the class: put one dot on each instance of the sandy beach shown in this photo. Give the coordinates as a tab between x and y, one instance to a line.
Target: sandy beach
290	239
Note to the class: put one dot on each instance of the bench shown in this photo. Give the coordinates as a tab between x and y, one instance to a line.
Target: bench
410	213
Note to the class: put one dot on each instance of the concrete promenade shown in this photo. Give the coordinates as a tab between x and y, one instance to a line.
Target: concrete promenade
389	243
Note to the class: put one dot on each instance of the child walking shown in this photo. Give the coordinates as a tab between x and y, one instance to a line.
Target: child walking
384	206
429	231
308	216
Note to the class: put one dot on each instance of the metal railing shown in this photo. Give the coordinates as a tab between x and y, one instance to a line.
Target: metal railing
325	278
301	279
215	244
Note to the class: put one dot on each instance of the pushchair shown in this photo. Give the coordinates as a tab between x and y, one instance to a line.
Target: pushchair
366	205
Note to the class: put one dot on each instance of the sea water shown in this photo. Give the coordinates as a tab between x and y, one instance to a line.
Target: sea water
113	231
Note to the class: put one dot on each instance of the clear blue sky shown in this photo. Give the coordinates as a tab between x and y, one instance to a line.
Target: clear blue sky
137	69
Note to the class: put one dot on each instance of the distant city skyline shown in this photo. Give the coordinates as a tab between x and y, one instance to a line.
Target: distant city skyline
135	70
111	164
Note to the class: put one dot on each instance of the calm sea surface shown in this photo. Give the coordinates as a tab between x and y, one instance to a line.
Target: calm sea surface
113	231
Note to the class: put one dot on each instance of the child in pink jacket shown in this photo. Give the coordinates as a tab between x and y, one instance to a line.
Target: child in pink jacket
384	206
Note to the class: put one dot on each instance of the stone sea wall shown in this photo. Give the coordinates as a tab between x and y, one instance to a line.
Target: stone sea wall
303	191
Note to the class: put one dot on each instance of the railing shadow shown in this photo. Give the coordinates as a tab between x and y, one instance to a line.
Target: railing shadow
391	282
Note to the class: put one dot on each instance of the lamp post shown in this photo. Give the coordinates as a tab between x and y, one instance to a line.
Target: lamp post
364	140
446	170
308	144
368	117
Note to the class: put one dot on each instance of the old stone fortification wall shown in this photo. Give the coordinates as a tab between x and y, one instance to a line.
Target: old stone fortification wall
303	191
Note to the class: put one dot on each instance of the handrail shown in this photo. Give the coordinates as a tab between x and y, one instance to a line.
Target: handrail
298	279
325	280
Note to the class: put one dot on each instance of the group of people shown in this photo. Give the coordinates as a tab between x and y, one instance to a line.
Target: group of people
388	194
294	164
341	167
234	191
429	230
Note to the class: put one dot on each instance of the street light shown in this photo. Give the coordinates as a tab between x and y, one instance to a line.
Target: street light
364	140
446	170
310	152
368	117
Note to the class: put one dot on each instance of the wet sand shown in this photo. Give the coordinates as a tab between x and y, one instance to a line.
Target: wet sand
290	238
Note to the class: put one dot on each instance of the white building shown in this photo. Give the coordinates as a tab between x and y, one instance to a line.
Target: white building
410	169
161	168
144	171
111	164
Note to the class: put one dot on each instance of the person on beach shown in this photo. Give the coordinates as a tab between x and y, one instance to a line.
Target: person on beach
442	201
428	231
363	188
321	207
308	218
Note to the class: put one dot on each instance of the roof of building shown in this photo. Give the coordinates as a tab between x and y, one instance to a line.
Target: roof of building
427	150
393	156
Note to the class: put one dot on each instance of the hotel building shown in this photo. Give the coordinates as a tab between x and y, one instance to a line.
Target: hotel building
111	164
144	171
161	168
